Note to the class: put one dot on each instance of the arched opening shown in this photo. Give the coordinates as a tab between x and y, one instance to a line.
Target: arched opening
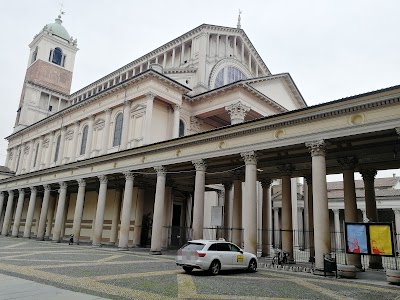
84	140
118	130
181	128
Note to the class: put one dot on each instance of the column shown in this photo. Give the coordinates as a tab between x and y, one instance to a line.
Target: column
173	58
310	217
237	210
50	215
74	143
125	125
300	227
220	202
287	221
49	155
228	210
80	200
116	214
237	112
101	204
39	154
126	212
322	239
175	132
182	52
156	231
44	212
277	230
375	262
60	212
7	158
62	144
1	207
167	214
138	218
198	208
65	216
7	216
338	235
18	212
350	202
250	209
148	118
106	132
234	46
89	141
29	215
396	220
266	216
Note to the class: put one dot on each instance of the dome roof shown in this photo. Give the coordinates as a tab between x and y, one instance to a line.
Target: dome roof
57	29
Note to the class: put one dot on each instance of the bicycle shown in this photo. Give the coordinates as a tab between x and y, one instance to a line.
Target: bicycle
280	258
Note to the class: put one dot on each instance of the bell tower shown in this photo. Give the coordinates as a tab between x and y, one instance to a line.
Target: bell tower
48	76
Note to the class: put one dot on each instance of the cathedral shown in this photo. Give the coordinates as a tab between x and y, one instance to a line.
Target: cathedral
181	143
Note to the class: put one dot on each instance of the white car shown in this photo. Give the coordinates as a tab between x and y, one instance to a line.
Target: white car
213	256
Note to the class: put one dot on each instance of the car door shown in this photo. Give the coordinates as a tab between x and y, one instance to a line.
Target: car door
225	255
238	261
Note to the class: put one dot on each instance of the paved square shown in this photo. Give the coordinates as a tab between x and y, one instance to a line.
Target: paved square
108	273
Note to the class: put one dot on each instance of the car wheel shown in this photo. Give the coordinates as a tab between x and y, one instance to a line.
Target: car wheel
215	267
188	269
252	265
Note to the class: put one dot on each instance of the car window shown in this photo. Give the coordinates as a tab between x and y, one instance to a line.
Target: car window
234	248
213	247
193	246
223	247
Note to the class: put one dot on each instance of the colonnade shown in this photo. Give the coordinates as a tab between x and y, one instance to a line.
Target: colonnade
316	202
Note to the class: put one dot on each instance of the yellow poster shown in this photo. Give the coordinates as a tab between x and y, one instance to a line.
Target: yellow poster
380	239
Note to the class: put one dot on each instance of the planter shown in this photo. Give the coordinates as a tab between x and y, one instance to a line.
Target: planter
347	271
393	276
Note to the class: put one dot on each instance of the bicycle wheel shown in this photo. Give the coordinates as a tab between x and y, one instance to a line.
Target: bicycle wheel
275	260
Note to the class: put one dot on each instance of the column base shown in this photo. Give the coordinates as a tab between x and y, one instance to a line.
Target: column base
96	245
320	272
375	266
122	249
155	252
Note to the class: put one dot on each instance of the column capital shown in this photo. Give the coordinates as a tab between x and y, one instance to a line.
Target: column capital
160	170
91	118
21	191
300	209
150	96
108	110
316	148
63	185
33	189
103	179
63	129
1	194
368	174
348	163
127	103
46	187
237	111
195	124
221	194
176	107
396	211
286	170
397	130
11	193
266	182
128	175
81	182
200	164
41	138
276	209
336	210
250	157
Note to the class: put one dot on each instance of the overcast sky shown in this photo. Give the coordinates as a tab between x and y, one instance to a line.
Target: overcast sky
332	49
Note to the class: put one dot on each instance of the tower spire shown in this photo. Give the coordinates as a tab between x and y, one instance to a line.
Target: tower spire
239	18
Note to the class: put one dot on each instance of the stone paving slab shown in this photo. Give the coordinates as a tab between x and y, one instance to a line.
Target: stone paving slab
13	288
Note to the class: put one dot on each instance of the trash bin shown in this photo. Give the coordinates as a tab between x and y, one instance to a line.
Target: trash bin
330	264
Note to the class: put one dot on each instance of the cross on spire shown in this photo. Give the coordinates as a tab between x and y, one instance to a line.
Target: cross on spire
61	10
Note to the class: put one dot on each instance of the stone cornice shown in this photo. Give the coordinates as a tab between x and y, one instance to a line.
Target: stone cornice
47	90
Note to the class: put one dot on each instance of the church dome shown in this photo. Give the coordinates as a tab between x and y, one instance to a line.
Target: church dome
57	29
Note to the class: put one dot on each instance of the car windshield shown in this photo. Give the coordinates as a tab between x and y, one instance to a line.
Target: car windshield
193	246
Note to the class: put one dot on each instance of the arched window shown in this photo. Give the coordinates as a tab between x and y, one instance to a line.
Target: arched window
84	140
57	148
181	128
228	75
118	130
36	156
57	56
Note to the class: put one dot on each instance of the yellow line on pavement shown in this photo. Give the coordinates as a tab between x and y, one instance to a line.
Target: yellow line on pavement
186	287
14	245
326	292
108	258
134	275
93	263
